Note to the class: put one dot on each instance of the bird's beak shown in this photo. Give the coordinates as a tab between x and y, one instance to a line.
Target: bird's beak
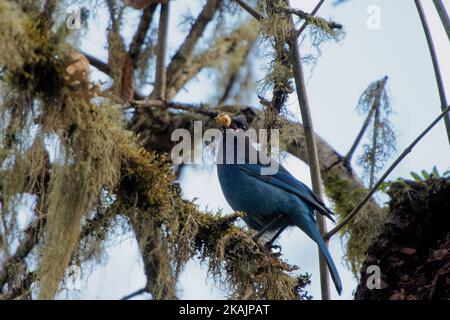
224	120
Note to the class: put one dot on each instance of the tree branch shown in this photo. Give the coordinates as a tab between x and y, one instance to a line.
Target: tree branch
255	14
139	37
182	59
175	82
300	13
148	103
304	15
443	15
235	75
361	204
22	290
160	71
99	64
224	45
313	13
135	293
375	105
434	59
313	159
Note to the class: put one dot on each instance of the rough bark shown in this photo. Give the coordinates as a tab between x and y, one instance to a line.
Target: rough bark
413	251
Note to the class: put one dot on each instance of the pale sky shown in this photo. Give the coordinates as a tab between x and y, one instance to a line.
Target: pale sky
398	49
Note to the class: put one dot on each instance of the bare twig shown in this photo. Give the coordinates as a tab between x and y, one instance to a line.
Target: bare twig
181	60
265	102
99	64
177	80
142	30
229	86
373	152
443	15
104	67
250	10
350	153
115	14
160	72
437	70
361	204
199	108
134	294
313	160
234	76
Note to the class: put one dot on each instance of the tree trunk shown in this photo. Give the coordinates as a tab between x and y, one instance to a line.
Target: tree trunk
413	251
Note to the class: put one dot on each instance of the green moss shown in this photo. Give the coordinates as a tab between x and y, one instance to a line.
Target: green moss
337	189
14	24
364	227
99	166
244	267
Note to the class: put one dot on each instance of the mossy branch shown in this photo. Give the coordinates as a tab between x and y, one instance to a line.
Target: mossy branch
313	13
310	18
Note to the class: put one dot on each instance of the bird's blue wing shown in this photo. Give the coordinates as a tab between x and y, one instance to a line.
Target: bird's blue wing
284	180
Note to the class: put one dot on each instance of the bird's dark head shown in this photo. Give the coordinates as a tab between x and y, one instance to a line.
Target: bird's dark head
235	123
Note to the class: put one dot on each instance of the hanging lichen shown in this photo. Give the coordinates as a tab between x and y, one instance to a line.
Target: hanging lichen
92	158
375	102
70	151
317	33
242	266
176	231
276	31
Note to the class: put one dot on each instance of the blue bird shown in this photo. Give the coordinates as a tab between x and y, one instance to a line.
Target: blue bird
271	202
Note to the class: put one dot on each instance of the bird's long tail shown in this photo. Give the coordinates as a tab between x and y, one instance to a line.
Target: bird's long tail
308	225
331	266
